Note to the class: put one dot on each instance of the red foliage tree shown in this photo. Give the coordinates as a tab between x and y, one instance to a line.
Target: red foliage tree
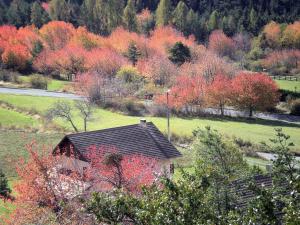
16	56
219	92
221	44
254	91
109	169
187	91
85	39
6	33
291	35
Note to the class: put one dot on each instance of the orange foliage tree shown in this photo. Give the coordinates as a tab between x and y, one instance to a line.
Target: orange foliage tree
272	33
16	56
219	92
56	34
291	35
254	91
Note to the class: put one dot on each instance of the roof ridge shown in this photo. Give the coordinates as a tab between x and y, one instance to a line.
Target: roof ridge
103	130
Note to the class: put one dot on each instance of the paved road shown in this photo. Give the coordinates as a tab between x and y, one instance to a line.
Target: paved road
227	112
38	92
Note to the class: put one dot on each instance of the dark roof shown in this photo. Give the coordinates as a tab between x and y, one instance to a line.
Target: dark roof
143	139
245	194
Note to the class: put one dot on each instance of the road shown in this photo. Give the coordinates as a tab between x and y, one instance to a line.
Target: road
38	92
227	112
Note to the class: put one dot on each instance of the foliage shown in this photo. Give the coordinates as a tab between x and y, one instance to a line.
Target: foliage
179	53
133	53
129	17
38	81
221	44
254	91
4	188
295	108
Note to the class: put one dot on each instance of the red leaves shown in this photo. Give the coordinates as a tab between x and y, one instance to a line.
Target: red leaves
254	91
111	170
16	56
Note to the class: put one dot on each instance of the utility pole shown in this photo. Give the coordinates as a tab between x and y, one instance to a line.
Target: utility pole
168	115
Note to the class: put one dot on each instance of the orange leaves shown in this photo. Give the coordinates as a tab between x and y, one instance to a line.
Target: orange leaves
291	35
16	56
85	39
272	32
57	34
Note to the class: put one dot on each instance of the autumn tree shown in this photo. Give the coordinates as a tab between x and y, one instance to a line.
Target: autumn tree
129	17
163	13
16	57
291	35
219	92
254	91
272	33
221	44
111	169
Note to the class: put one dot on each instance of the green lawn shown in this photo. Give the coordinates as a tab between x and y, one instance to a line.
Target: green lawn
10	118
253	130
53	85
289	85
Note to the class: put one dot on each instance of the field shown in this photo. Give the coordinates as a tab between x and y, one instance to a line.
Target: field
253	130
53	85
289	85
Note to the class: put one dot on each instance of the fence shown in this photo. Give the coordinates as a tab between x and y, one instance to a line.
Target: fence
285	77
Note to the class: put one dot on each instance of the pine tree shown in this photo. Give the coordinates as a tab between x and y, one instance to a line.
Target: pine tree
179	16
38	16
129	17
179	53
59	10
87	15
3	10
4	189
163	13
253	20
213	21
18	13
133	53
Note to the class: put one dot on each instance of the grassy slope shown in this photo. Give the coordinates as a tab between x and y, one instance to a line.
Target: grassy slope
289	85
253	130
53	85
12	118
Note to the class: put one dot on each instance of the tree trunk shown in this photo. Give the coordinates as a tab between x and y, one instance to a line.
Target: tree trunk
222	109
250	111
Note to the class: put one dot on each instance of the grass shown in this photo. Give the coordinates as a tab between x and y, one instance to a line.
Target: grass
6	207
53	85
289	85
252	130
10	118
12	145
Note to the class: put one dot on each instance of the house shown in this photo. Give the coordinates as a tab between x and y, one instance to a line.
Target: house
142	139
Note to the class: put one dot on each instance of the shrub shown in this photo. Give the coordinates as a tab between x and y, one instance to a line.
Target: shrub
9	76
128	74
295	107
38	81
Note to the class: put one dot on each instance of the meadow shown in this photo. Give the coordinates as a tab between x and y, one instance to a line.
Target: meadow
289	85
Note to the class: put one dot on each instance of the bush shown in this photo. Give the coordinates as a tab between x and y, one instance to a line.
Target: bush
295	107
9	76
128	106
129	74
38	81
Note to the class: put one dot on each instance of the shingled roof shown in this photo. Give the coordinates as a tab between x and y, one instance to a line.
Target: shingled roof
143	138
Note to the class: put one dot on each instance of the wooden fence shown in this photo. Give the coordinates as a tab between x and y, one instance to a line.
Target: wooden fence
285	77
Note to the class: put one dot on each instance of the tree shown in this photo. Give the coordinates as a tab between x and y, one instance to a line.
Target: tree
272	32
86	111
179	53
254	91
179	18
221	44
18	13
253	20
213	21
16	57
163	13
4	188
291	35
110	169
38	16
129	16
60	10
219	92
62	110
133	53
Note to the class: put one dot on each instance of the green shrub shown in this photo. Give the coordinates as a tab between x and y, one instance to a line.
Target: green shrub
9	76
129	74
295	107
38	81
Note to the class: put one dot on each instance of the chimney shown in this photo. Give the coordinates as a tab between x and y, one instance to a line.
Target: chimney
143	122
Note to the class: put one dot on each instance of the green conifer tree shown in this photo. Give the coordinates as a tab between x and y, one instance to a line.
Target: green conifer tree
213	21
4	189
133	53
180	16
163	13
129	17
38	16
